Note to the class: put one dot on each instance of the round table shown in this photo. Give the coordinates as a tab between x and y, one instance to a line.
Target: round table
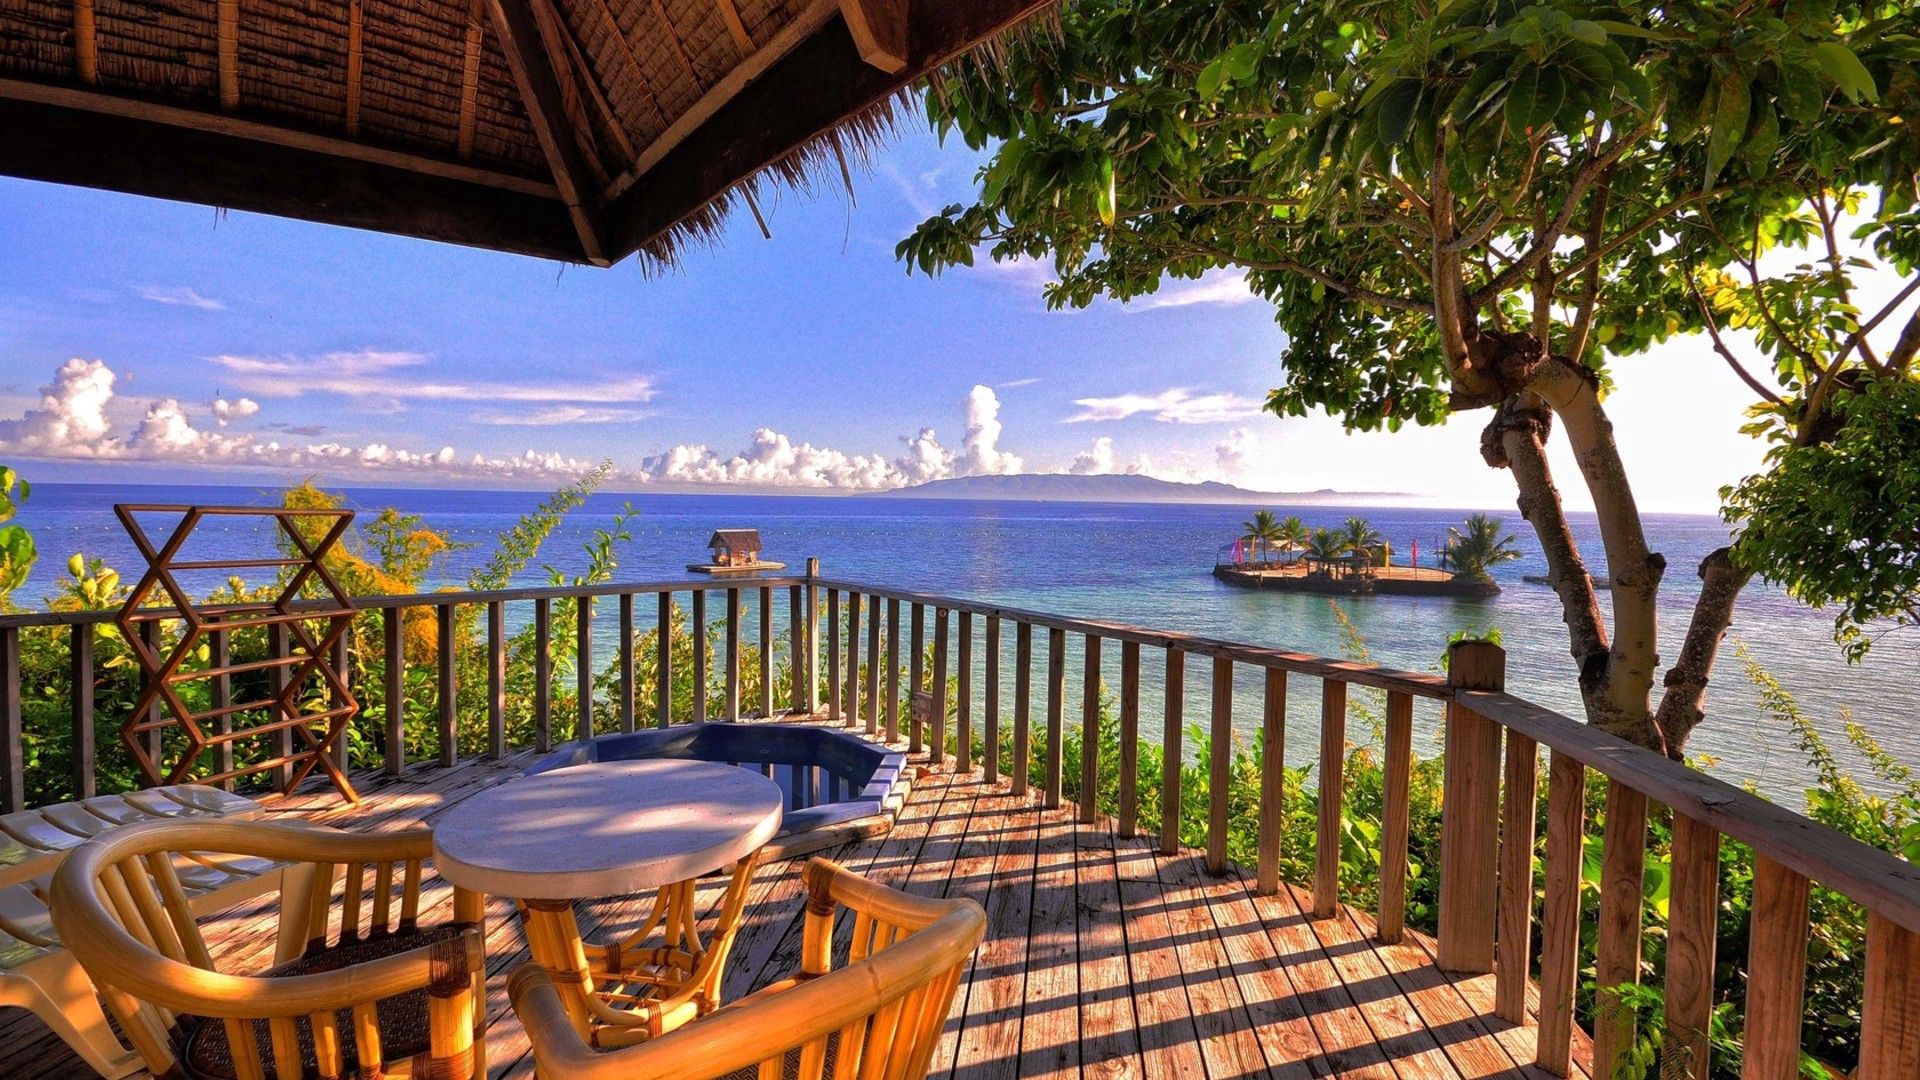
618	828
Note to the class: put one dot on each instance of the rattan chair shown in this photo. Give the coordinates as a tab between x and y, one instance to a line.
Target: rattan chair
387	997
879	1015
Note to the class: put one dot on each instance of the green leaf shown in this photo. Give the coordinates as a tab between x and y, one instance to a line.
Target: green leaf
1588	31
1730	113
1208	84
1104	194
1763	137
1326	99
1626	29
1534	99
1846	69
1244	60
1398	108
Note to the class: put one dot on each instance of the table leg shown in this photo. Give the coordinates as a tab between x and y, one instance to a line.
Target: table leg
553	938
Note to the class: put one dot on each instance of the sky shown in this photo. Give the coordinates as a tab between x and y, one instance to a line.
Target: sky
143	340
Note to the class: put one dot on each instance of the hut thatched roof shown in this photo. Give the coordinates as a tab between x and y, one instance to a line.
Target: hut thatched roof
582	130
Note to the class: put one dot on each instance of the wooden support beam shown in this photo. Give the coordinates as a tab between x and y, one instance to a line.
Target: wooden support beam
879	29
86	51
356	61
228	41
520	32
469	78
730	14
819	82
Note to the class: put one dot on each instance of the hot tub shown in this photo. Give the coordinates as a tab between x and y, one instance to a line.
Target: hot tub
839	786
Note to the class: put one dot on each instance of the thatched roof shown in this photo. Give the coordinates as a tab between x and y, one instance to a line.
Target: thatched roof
582	130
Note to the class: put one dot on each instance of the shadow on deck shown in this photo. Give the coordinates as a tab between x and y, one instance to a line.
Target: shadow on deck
1102	957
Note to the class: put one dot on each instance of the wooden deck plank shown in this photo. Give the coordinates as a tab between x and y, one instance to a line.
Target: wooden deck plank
1109	1027
1102	956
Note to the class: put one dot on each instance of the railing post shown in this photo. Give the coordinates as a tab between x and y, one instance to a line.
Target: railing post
766	652
1170	761
1890	1017
663	662
1331	798
448	707
797	648
583	667
733	654
1623	867
13	775
277	683
1219	765
813	635
1560	913
80	664
937	736
1395	813
916	673
873	665
1470	813
850	697
1089	801
1022	704
1693	909
992	732
1056	719
963	707
1129	738
893	670
1273	764
220	695
393	640
496	679
1513	942
700	678
1776	973
542	675
626	663
835	706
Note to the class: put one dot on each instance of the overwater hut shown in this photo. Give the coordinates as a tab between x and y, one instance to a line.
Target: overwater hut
735	547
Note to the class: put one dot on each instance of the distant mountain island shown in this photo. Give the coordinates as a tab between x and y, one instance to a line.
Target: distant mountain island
1119	488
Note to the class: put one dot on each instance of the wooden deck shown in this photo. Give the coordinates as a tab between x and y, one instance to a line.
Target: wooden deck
1102	958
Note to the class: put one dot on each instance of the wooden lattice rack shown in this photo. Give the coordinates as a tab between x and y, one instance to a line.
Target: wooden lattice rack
291	617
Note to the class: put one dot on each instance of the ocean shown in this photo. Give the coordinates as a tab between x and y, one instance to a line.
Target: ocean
1146	564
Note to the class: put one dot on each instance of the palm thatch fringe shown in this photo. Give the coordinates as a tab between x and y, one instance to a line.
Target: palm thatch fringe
855	139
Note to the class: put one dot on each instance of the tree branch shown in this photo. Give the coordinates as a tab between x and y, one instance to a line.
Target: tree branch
1590	291
1345	288
1682	704
1720	346
1543	245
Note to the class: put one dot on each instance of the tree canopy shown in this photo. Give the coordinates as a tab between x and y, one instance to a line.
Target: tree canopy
1483	204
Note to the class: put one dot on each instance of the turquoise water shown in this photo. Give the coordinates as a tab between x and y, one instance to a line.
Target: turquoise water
1144	564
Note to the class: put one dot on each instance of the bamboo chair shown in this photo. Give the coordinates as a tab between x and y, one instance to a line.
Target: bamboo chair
385	998
878	1016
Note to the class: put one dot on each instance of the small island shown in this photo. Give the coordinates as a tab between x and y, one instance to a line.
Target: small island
1355	560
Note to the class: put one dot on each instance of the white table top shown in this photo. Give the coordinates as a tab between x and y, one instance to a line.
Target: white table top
608	828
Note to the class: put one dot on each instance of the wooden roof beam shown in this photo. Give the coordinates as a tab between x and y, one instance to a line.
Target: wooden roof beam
518	28
228	41
879	28
469	79
356	27
65	135
86	51
730	14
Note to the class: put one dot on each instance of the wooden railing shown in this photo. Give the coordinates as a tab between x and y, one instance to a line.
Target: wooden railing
845	664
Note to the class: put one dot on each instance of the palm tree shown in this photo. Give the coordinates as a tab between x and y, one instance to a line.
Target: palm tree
1261	533
1292	535
1477	545
1360	536
1324	546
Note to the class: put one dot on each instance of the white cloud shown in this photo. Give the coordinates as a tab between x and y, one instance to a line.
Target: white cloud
1096	460
1014	384
371	373
180	296
924	460
1176	406
1226	287
1235	451
225	412
559	415
72	418
71	422
771	459
980	452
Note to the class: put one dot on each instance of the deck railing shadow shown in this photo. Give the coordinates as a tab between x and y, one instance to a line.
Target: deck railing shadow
901	666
